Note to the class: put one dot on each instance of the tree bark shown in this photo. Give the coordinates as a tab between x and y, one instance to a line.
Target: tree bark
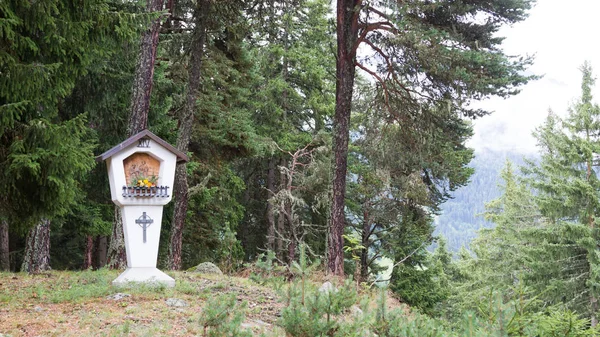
117	257
101	250
281	216
144	73
138	118
364	253
270	213
347	35
89	253
591	224
186	120
4	247
37	249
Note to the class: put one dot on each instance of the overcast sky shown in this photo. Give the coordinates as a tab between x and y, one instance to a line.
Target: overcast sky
562	35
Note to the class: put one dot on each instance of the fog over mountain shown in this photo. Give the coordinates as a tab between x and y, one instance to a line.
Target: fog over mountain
461	217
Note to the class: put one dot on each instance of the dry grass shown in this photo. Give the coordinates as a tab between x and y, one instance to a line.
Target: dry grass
76	304
61	303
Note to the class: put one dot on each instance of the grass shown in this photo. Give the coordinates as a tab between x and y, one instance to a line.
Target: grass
60	303
65	303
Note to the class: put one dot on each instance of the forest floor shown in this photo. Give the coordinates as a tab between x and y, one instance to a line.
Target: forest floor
63	303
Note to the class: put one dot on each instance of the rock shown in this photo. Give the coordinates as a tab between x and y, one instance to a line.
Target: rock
327	287
253	324
208	268
117	296
356	311
38	309
176	302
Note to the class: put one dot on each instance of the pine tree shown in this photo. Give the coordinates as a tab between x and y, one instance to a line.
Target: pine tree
401	173
461	61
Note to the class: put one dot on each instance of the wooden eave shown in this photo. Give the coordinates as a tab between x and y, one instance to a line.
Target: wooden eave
181	157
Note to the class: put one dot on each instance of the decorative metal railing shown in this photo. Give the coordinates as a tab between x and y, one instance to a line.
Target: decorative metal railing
146	192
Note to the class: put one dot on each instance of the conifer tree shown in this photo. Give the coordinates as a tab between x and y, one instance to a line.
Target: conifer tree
503	254
44	48
567	183
430	52
545	240
292	53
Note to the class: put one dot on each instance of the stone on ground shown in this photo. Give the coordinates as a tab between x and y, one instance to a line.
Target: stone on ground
208	268
176	302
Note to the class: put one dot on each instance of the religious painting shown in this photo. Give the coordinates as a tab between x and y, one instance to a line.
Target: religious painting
141	167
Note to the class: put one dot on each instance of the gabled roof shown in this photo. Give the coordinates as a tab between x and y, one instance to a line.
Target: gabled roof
181	157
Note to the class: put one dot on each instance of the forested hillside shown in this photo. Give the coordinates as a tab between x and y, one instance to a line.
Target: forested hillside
463	215
306	138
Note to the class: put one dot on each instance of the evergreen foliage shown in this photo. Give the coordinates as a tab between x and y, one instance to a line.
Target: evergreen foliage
45	148
543	248
261	171
222	316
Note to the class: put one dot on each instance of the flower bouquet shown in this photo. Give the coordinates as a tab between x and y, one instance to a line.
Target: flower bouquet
142	181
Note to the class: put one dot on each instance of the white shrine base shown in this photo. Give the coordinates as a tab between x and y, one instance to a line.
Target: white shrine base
146	275
142	256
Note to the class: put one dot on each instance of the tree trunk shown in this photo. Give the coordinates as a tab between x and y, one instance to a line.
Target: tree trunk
186	120
101	250
4	248
89	253
270	213
281	216
347	31
117	257
138	118
37	249
144	73
364	252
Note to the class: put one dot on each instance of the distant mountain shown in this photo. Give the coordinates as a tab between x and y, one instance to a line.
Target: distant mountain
461	216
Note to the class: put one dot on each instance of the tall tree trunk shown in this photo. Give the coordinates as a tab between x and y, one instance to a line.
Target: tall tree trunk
186	120
116	255
4	247
364	252
37	249
270	212
89	253
138	118
347	30
591	224
281	216
144	73
100	252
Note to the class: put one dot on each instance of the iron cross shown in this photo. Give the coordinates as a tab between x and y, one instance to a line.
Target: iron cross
144	221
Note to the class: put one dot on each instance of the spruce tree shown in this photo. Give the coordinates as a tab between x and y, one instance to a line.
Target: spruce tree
545	239
567	185
44	48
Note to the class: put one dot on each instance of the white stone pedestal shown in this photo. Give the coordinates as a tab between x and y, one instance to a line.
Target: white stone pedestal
146	275
142	256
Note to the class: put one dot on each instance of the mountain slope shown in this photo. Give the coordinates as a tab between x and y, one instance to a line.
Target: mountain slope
462	216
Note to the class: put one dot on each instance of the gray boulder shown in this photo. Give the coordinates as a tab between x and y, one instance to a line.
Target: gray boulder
117	296
176	302
208	268
327	287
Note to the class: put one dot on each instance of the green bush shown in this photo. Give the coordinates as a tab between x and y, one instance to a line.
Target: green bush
222	317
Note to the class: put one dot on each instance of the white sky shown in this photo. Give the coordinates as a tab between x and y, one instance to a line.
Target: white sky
562	35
